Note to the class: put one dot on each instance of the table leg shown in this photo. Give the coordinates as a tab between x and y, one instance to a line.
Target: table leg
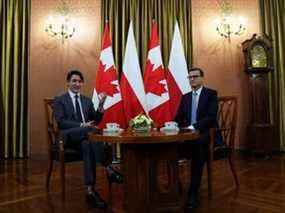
151	178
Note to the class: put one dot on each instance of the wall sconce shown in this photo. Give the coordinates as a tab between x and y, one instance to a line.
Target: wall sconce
228	25
60	25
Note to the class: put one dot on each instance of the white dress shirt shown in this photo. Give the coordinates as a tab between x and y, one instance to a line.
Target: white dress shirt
198	93
72	95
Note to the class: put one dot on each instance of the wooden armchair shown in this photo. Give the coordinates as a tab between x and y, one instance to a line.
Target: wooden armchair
56	149
227	118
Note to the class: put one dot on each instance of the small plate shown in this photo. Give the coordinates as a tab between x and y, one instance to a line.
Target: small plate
112	130
169	129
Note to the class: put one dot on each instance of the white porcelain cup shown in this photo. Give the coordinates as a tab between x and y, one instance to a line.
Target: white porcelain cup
112	126
171	124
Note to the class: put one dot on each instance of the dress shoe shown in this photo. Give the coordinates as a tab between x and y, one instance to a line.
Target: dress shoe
192	202
95	200
114	176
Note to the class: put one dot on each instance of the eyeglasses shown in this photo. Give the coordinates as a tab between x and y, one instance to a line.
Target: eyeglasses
193	76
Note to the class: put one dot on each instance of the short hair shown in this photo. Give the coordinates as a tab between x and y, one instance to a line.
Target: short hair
74	72
197	69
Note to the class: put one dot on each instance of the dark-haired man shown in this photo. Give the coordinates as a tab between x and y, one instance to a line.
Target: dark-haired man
197	111
76	117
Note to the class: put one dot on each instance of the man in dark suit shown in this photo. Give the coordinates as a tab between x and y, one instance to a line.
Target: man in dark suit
197	111
76	117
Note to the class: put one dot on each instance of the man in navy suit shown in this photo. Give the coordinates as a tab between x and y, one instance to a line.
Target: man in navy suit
197	111
76	117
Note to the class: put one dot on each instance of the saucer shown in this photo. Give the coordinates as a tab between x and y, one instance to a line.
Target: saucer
169	129
112	130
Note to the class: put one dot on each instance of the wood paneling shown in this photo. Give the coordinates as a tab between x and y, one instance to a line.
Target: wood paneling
221	59
50	59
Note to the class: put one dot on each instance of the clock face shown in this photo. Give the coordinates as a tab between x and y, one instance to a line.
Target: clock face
258	57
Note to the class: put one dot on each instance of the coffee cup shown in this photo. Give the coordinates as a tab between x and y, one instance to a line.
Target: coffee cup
112	126
170	124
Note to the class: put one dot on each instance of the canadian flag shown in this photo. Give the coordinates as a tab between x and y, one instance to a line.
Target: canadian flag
132	87
177	80
155	82
107	82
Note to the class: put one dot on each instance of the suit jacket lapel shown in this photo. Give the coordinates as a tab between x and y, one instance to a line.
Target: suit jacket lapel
201	101
70	105
189	107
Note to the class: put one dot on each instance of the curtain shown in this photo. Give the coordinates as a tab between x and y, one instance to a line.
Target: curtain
119	13
14	26
272	13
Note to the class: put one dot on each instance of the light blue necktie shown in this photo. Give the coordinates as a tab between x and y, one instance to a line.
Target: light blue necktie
194	107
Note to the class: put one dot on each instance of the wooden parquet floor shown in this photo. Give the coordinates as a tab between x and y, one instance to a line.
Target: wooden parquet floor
262	188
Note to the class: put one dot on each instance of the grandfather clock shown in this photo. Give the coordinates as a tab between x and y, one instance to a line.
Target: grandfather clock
258	55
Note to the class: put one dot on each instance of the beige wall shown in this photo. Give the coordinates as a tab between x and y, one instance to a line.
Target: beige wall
221	59
50	59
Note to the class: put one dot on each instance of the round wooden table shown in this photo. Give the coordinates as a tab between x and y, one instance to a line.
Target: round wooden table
150	168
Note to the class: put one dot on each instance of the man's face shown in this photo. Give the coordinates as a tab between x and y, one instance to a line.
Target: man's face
75	83
195	78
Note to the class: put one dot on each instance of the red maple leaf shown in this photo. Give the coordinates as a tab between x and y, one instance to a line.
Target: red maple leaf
153	78
105	79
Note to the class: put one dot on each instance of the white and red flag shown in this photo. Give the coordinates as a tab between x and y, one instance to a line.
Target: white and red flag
155	82
107	82
177	80
132	87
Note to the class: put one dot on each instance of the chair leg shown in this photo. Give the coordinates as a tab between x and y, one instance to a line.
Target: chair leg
210	172
232	166
50	168
110	197
210	161
62	171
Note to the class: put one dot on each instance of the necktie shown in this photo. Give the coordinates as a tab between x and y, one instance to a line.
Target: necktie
194	107
77	109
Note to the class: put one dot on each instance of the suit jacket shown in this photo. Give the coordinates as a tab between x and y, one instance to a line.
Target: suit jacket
206	111
65	114
70	129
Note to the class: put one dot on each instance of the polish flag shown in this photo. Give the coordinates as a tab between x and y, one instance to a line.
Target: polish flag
107	82
132	87
155	82
178	83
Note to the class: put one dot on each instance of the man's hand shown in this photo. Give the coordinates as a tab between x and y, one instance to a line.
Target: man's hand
191	127
87	124
102	98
